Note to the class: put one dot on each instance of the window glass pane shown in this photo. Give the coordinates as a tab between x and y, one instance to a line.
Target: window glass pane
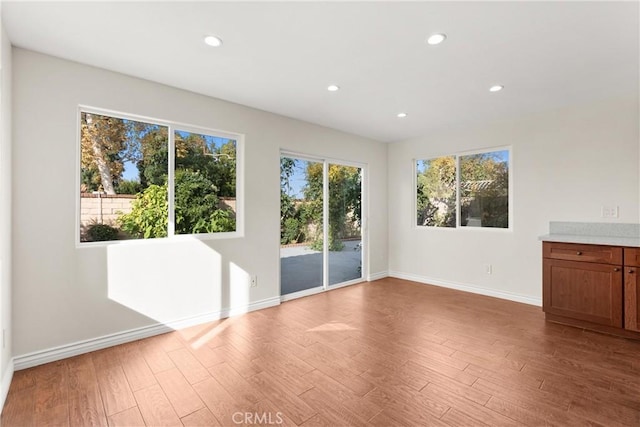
345	222
123	183
484	189
301	220
205	183
436	192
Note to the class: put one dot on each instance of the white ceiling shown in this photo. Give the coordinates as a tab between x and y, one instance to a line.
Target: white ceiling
280	57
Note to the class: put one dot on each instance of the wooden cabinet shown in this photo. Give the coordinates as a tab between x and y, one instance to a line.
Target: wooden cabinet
631	289
592	286
583	290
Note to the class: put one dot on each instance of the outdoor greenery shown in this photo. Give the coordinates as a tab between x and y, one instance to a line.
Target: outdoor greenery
148	217
197	206
301	219
484	190
436	196
101	233
205	170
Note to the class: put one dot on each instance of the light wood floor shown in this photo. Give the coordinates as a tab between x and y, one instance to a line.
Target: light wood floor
384	353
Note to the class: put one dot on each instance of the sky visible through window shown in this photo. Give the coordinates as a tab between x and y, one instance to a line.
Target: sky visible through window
298	179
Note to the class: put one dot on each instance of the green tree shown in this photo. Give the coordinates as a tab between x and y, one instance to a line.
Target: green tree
484	189
196	209
344	200
291	226
436	195
216	163
127	186
197	206
153	154
102	140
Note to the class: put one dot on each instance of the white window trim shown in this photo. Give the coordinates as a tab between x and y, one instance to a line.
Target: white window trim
172	128
457	156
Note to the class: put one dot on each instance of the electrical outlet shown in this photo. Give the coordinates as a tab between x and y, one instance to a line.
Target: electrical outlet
610	212
613	211
254	282
488	269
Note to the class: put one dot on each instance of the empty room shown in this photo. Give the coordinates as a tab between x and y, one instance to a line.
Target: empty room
320	213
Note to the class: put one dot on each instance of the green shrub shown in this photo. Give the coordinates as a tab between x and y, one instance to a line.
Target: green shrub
291	232
149	214
197	206
129	187
196	209
335	244
101	233
220	221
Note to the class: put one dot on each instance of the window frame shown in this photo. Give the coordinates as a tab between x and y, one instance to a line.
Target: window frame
172	127
457	156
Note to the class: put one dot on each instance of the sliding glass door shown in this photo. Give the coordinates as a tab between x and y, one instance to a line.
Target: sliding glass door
301	225
345	224
320	225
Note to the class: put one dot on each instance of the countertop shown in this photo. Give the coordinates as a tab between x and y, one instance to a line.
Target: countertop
592	240
594	233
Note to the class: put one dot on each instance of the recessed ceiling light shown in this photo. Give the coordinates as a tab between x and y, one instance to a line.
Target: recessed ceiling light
213	41
496	88
333	88
436	38
401	115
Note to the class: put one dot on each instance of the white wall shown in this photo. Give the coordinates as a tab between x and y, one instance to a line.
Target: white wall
566	165
6	366
63	294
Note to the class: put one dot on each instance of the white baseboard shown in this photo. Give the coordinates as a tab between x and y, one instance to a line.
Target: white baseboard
258	305
69	350
377	276
467	288
345	284
6	383
301	294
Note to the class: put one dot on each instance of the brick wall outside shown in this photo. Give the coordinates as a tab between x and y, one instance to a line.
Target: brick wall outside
102	208
105	209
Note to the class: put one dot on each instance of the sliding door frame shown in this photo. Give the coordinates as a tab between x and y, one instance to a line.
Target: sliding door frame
364	226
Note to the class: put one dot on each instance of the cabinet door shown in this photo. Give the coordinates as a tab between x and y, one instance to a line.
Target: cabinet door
632	257
631	299
584	291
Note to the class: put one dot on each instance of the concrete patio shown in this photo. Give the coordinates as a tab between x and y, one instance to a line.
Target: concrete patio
301	267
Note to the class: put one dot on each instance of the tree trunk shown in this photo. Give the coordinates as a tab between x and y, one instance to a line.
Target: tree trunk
103	166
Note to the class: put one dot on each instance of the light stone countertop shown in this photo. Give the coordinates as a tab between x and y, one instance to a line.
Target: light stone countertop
592	240
594	233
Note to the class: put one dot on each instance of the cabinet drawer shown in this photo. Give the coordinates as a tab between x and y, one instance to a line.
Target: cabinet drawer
583	290
585	253
632	257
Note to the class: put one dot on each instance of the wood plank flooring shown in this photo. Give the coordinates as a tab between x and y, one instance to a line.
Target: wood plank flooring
384	353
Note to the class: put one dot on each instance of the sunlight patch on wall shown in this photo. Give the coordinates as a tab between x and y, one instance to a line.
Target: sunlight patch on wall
165	281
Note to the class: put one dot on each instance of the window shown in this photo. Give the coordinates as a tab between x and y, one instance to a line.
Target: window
436	198
151	179
466	190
